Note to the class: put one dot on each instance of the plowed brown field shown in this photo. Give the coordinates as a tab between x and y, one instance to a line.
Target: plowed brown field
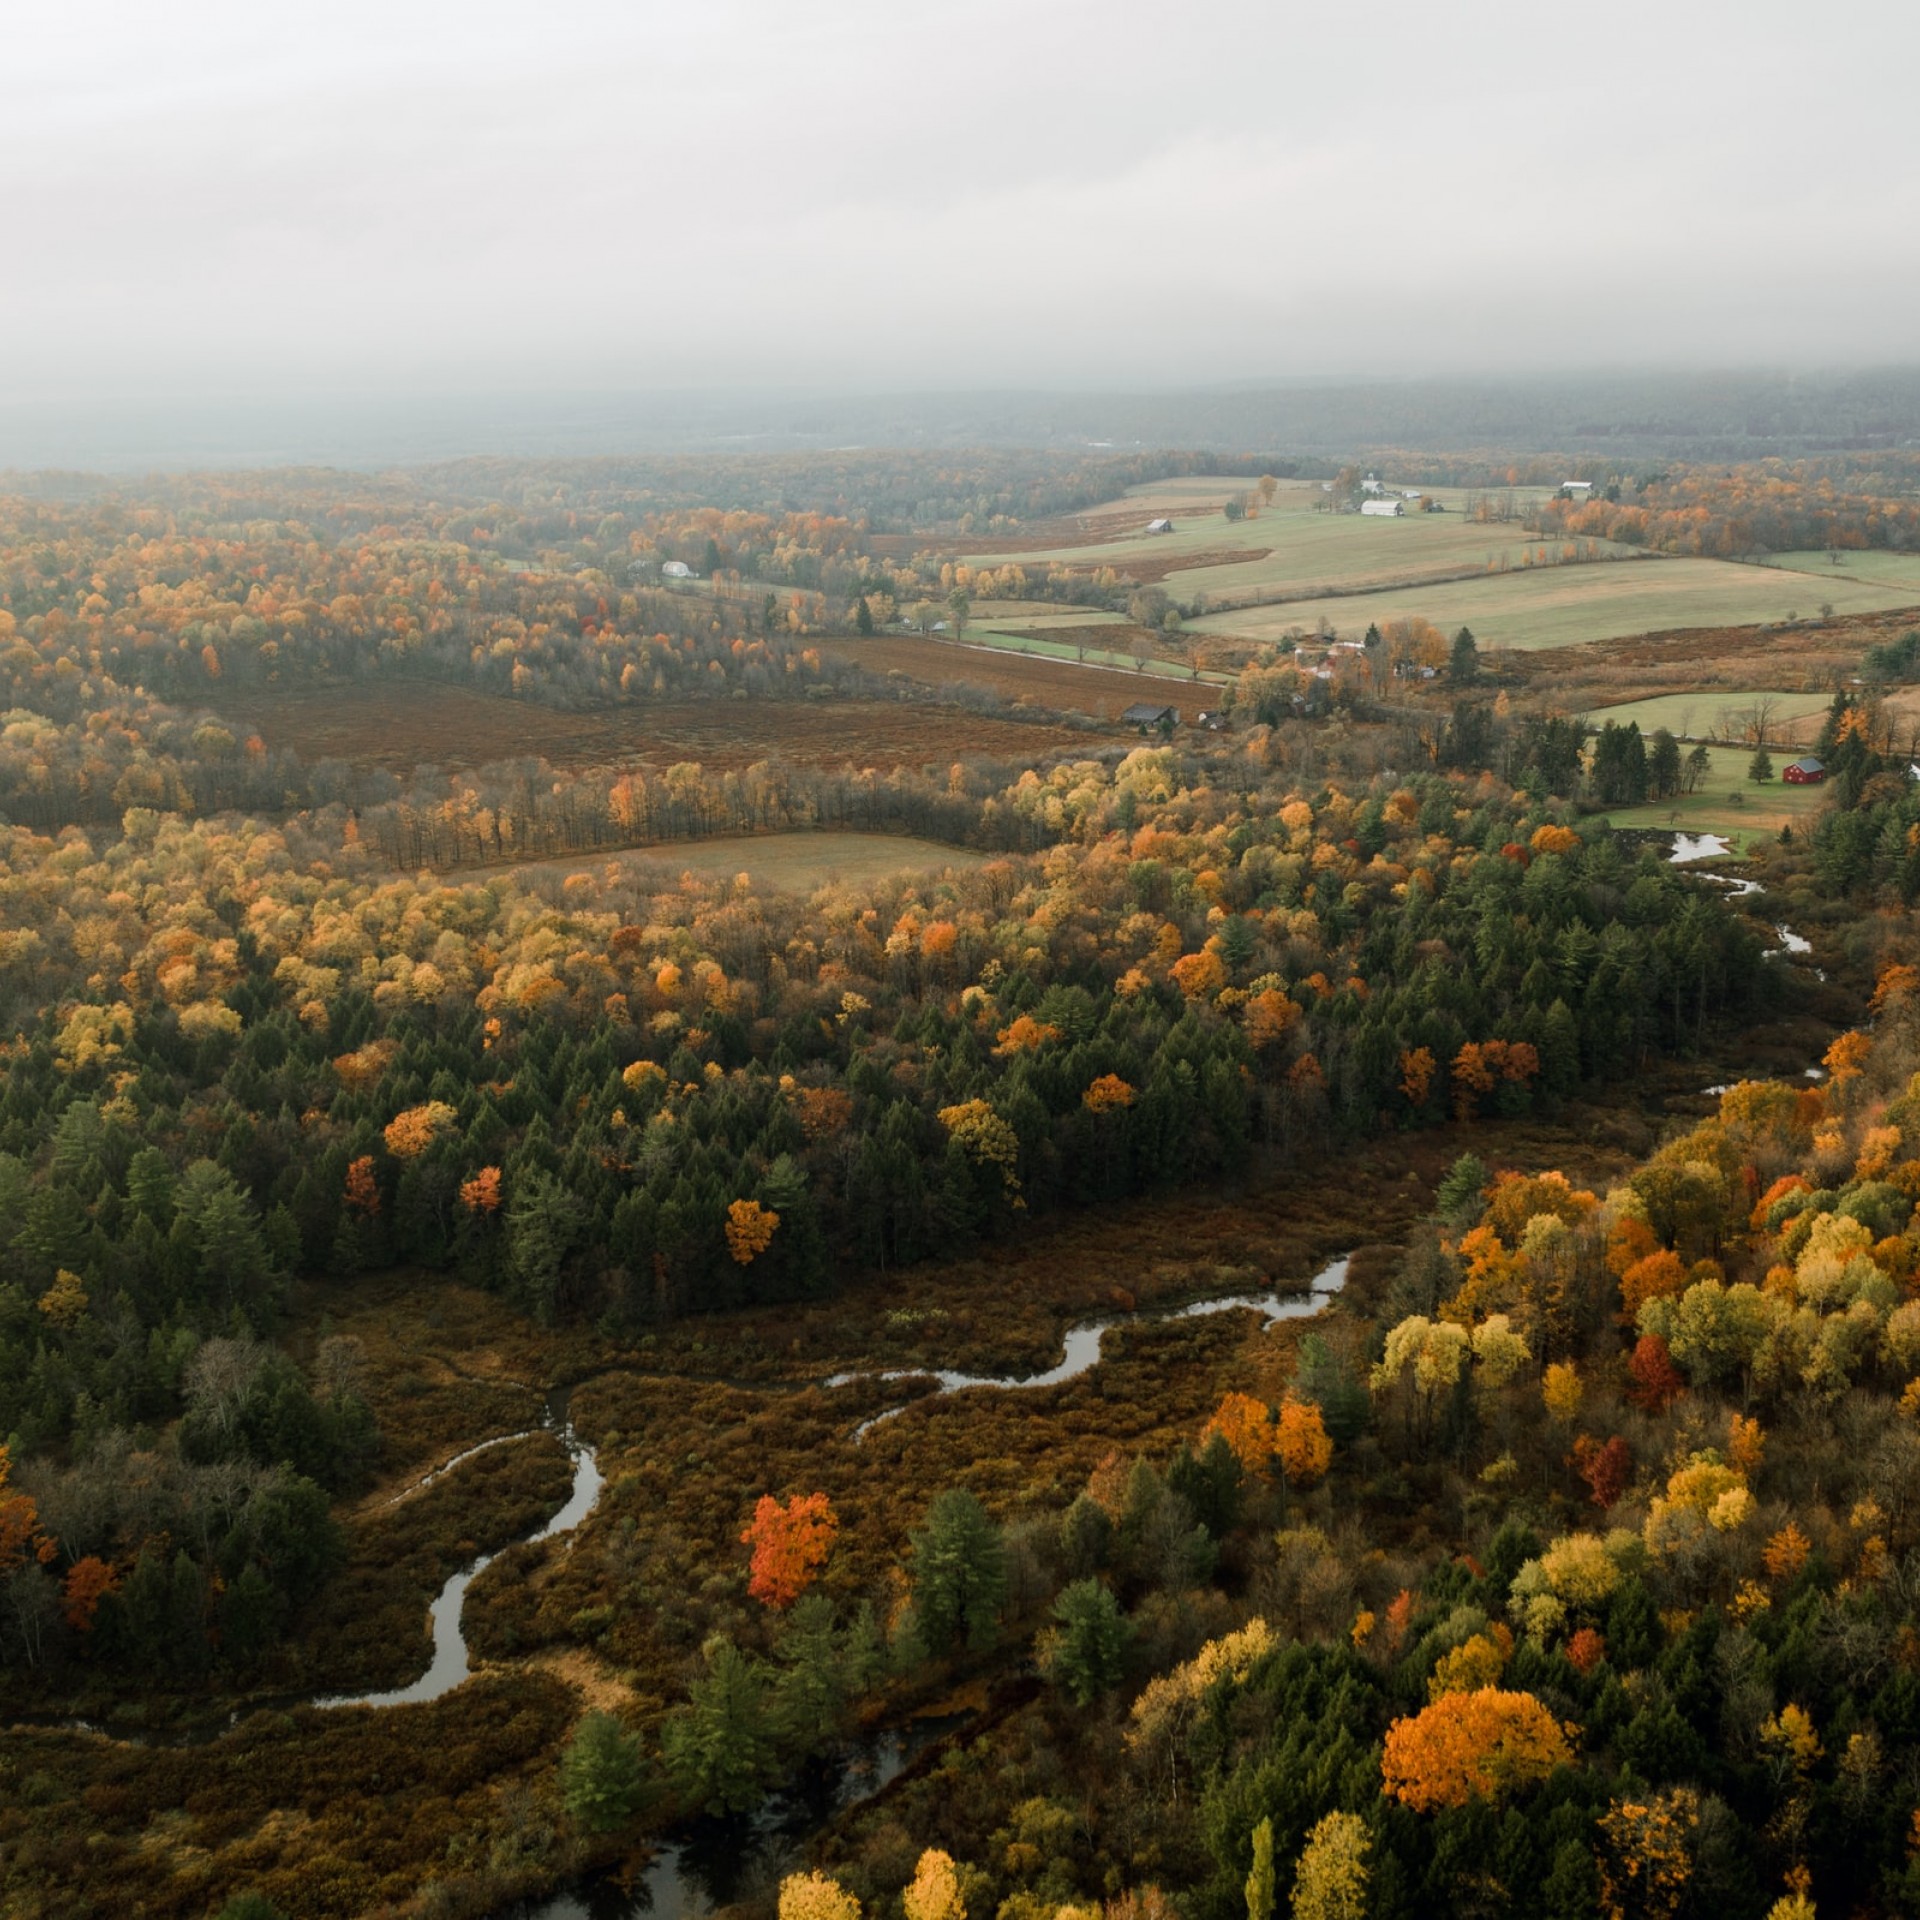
1063	685
401	725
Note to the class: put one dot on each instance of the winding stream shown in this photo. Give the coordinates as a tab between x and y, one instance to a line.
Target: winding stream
449	1664
716	1862
1083	1342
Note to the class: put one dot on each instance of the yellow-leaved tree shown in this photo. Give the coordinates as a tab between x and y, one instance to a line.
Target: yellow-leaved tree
814	1896
934	1893
1330	1877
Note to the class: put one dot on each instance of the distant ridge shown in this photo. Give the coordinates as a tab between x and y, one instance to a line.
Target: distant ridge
1625	416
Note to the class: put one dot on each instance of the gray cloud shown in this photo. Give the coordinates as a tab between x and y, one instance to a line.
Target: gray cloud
414	197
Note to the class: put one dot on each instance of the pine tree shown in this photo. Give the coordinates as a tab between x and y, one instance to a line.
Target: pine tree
1087	1649
601	1780
719	1748
959	1574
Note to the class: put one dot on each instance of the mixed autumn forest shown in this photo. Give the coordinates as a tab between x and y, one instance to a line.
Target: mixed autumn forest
580	1035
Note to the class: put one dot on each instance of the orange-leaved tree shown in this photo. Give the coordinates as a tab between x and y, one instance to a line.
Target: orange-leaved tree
410	1133
363	1190
790	1545
21	1538
481	1194
1482	1745
1416	1074
1246	1425
1107	1092
88	1582
1302	1442
750	1228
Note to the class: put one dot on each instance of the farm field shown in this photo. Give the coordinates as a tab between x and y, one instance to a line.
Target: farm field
1728	802
1289	547
1049	678
779	862
1719	713
1566	605
399	725
1875	566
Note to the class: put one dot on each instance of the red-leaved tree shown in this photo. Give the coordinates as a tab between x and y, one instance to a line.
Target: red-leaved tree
790	1545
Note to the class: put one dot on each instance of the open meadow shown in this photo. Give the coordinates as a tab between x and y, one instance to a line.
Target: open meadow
1875	566
1727	802
782	862
1291	548
1561	606
1049	676
1717	714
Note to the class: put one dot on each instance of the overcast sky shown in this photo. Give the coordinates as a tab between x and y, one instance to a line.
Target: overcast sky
414	197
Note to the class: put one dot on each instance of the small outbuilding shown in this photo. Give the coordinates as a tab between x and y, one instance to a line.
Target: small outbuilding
1162	525
1145	714
1212	719
676	570
1805	772
1384	509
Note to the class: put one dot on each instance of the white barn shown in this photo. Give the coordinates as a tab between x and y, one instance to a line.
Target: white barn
1386	509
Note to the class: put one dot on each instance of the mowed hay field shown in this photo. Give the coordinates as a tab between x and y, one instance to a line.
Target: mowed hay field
1290	548
1560	606
1878	568
404	724
779	862
1054	679
1727	802
1721	715
1289	566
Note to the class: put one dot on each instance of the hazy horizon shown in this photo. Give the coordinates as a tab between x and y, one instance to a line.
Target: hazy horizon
235	206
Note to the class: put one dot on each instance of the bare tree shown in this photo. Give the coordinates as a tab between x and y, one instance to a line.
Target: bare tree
219	1378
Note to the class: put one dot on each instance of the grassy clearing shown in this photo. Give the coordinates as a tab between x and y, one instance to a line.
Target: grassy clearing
1083	651
1728	802
1289	547
782	862
1878	568
1565	605
1018	615
1718	713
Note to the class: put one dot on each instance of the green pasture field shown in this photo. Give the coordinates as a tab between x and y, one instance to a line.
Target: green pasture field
1290	547
1758	814
1717	711
1877	567
1562	606
781	862
1002	614
1047	635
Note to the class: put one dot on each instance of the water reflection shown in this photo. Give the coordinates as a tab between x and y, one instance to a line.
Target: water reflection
712	1863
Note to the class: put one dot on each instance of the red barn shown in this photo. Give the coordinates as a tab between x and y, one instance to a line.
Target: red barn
1804	773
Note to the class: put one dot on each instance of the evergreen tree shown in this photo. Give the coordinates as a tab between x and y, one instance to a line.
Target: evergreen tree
810	1696
1463	664
719	1748
1087	1649
601	1779
1663	765
1760	767
959	1574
